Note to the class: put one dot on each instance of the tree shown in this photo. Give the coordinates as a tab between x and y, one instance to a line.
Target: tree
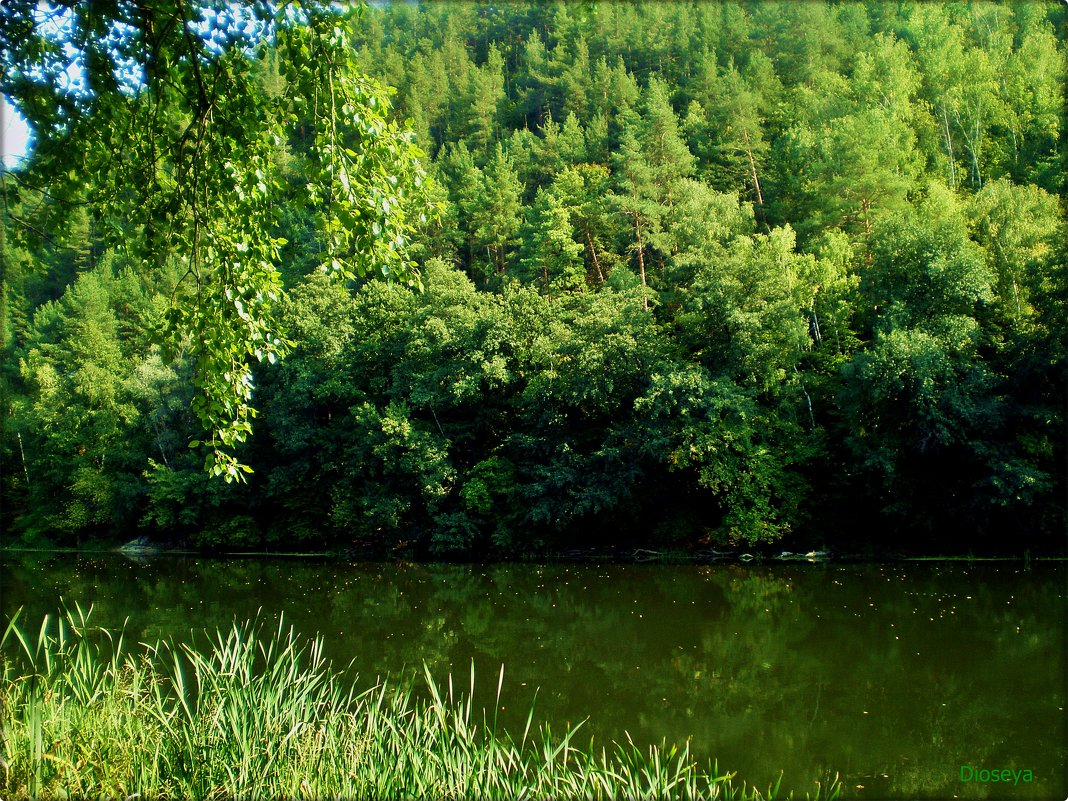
478	107
575	80
864	168
704	222
1020	227
744	315
495	215
583	190
804	38
535	83
79	423
635	199
615	91
553	258
561	146
961	85
649	167
167	127
1034	101
465	184
727	122
926	416
711	427
429	90
925	268
850	155
617	319
662	143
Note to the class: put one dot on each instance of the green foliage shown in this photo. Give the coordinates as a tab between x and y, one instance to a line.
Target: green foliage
175	141
78	414
554	259
495	214
925	269
744	312
777	264
713	428
1020	228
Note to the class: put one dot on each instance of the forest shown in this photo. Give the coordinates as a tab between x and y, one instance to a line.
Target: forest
690	275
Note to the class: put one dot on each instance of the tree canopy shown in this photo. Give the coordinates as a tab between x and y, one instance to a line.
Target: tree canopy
170	124
782	273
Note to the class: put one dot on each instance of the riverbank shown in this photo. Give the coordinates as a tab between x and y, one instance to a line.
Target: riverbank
261	713
141	548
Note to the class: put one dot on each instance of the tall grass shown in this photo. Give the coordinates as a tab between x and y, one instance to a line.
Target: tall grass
258	713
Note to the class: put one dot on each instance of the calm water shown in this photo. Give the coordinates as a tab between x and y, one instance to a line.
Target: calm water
893	676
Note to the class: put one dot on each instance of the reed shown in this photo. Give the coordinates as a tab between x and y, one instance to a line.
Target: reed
258	713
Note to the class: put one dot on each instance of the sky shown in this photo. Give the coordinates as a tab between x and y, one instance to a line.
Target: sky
14	134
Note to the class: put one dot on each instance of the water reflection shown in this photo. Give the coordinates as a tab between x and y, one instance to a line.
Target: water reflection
895	676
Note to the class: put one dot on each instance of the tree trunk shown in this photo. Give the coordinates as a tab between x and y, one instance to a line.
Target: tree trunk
973	144
593	253
25	470
641	261
815	326
808	399
949	148
753	171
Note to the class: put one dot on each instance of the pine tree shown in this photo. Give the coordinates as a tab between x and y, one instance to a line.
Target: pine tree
552	258
496	212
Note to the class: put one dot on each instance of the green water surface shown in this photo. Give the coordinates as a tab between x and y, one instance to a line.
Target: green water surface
894	676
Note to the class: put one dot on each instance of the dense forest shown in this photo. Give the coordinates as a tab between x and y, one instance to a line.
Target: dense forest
692	274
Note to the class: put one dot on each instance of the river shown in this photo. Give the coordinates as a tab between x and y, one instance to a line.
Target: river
896	676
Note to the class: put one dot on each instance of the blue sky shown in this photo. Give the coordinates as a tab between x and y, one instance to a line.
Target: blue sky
230	17
14	134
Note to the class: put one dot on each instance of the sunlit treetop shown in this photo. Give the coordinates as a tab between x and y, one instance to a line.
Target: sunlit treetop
154	117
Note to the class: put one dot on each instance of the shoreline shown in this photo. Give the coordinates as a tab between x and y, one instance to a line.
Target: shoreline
603	556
